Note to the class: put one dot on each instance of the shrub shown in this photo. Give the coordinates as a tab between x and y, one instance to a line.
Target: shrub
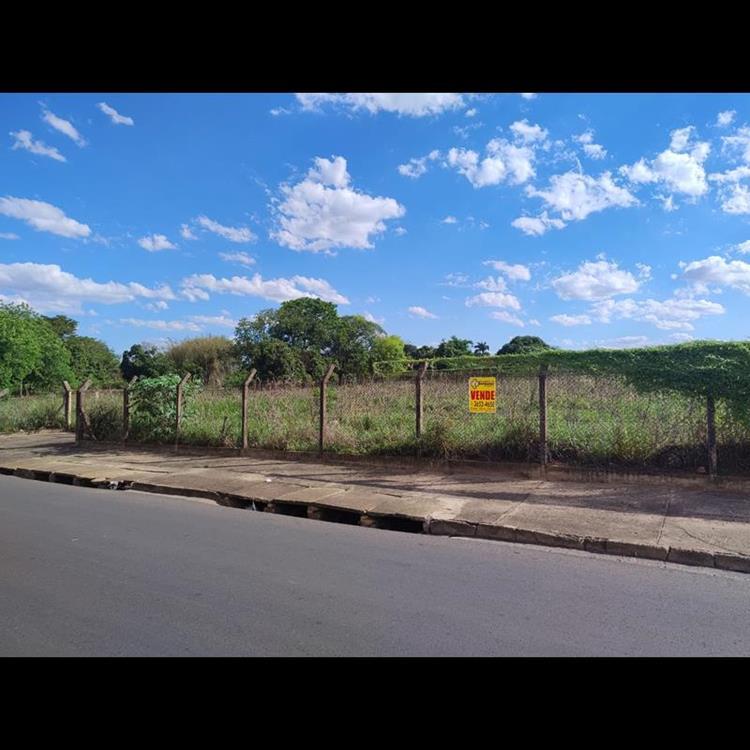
154	403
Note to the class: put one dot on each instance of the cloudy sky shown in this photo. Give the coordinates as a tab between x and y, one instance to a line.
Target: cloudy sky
587	219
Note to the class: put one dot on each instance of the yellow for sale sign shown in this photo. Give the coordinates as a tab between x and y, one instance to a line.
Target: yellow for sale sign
482	393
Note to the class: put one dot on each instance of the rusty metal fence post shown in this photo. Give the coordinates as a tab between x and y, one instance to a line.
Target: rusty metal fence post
711	435
245	397
126	408
81	419
323	389
67	405
419	397
178	419
543	444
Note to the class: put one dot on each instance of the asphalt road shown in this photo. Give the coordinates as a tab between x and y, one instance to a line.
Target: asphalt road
109	573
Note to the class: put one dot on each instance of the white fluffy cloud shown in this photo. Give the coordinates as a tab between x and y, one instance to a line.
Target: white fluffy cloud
64	127
571	320
162	325
514	271
416	167
412	105
494	299
529	96
197	286
421	312
725	118
194	323
739	143
507	317
24	140
44	217
528	133
679	168
717	271
49	288
595	280
492	284
223	321
242	258
730	176
186	232
575	195
456	279
9	236
157	306
233	234
676	313
449	220
504	161
591	149
155	242
536	226
623	342
323	211
114	115
736	200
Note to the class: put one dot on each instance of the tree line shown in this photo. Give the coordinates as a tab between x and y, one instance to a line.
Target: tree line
294	342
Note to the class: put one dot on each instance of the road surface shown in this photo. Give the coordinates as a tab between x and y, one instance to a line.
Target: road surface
108	573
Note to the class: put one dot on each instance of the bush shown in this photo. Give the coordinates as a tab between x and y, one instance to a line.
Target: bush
699	368
154	406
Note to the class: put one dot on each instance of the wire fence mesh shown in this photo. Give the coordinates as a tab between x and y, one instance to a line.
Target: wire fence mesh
374	416
592	421
451	431
603	421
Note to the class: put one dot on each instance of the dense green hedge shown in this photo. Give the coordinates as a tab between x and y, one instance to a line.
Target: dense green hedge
699	368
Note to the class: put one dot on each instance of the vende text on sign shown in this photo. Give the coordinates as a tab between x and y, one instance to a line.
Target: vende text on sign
482	392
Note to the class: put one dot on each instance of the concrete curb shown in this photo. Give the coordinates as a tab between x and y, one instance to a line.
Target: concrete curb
515	469
396	521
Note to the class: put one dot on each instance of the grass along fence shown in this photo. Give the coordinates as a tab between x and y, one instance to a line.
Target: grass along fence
600	421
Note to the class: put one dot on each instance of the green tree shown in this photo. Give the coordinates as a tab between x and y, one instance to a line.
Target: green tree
307	324
208	358
92	358
481	349
524	345
249	331
454	347
31	352
387	350
275	360
145	361
419	352
353	344
62	325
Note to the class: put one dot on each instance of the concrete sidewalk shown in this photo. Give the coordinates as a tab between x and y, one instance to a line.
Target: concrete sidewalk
703	526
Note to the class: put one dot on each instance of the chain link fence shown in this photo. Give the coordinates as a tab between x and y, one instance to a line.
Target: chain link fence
374	415
604	422
571	419
452	432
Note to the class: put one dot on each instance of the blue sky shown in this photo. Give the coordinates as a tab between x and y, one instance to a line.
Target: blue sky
587	219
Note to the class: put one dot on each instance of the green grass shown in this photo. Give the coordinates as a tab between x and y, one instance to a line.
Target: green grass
30	413
591	421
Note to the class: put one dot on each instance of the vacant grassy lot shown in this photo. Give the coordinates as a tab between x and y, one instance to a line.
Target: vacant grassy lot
591	421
